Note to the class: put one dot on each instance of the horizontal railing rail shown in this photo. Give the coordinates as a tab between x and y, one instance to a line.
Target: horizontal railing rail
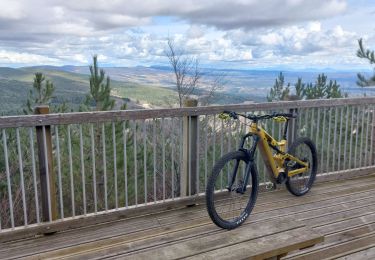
108	116
65	166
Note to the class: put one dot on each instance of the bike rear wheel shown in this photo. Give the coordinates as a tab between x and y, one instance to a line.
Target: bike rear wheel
228	207
305	150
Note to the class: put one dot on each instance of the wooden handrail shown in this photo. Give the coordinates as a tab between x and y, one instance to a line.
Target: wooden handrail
109	116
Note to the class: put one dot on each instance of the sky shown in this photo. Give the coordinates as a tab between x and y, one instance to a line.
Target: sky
229	34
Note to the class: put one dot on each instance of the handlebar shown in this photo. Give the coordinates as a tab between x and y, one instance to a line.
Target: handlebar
235	115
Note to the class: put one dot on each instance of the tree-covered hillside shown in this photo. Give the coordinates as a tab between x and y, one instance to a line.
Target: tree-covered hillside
71	88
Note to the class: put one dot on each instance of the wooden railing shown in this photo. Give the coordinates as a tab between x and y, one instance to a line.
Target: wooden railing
67	166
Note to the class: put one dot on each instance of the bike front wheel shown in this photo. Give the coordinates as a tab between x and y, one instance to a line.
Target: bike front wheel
228	203
305	150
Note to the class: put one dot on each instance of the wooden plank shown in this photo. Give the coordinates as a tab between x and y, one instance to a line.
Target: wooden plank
338	216
320	188
347	235
133	242
339	237
336	208
91	219
118	226
123	243
101	234
78	236
345	174
109	116
364	254
264	207
275	209
215	241
303	211
284	199
290	200
265	247
336	250
82	239
111	234
362	220
340	194
186	215
169	207
115	229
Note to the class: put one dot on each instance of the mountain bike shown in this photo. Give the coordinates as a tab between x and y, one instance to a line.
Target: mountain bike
232	188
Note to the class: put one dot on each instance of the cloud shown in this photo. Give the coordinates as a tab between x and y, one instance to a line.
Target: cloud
27	59
308	45
297	40
84	18
132	32
195	32
25	23
11	10
248	15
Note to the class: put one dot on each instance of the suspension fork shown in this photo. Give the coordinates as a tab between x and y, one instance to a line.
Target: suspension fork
250	153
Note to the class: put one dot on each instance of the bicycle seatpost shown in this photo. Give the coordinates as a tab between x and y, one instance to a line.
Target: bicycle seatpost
286	129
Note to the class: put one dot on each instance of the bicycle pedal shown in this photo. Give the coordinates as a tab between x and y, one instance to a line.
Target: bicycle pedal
281	179
270	186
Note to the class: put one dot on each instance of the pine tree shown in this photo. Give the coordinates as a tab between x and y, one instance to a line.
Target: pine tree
40	94
317	90
321	88
300	89
100	89
369	55
333	90
279	91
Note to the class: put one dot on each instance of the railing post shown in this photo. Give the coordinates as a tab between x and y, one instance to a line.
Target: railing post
292	128
188	178
373	138
47	183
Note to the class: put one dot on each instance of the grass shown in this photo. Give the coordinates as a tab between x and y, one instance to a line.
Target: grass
152	95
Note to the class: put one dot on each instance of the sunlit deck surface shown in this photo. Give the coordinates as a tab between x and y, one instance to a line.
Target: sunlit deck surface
343	211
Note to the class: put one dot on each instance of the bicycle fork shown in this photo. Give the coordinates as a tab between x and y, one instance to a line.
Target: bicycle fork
250	166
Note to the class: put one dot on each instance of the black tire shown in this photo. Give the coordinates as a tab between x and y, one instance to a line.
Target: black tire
240	203
304	149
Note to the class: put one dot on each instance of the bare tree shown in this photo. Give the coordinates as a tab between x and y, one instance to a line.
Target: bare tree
214	85
186	71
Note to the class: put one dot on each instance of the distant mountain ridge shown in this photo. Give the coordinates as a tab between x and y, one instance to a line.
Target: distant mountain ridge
154	85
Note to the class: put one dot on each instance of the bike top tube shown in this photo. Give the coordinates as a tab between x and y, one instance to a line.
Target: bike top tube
255	118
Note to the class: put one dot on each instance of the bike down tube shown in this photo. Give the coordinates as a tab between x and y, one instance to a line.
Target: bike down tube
265	150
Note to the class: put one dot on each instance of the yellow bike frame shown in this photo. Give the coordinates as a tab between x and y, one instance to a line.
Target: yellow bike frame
275	162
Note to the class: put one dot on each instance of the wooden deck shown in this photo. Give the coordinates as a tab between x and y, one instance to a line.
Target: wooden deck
343	211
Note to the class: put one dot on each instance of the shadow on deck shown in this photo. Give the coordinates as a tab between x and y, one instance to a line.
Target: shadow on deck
342	211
